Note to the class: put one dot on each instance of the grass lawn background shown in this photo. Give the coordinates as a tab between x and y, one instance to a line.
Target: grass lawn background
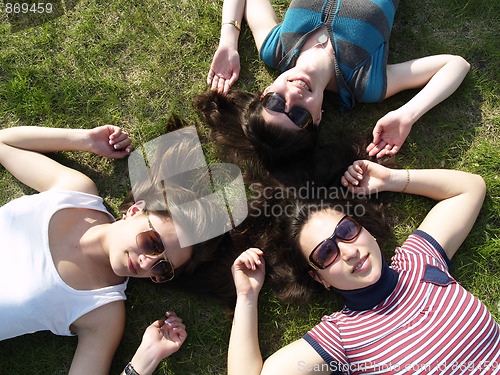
134	63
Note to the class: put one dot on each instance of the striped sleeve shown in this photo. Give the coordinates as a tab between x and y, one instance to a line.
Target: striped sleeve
325	339
422	244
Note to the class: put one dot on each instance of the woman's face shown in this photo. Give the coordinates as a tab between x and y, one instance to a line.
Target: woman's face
298	90
128	259
359	263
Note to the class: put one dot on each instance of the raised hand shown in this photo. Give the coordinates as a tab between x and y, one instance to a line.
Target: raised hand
161	339
225	69
249	271
364	177
110	141
389	134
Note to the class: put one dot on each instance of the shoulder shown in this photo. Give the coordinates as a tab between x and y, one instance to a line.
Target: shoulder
420	247
270	44
105	320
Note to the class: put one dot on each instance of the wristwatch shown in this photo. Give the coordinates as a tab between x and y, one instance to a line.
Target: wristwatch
129	370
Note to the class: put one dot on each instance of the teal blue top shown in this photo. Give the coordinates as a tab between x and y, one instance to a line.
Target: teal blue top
359	31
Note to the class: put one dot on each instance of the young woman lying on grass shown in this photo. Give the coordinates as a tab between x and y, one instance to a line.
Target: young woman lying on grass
69	260
396	318
338	46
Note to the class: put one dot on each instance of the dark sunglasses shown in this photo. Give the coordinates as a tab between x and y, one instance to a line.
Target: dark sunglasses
328	251
149	243
299	116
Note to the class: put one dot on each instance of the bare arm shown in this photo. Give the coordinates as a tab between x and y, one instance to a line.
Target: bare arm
439	76
261	18
21	151
244	355
459	196
99	333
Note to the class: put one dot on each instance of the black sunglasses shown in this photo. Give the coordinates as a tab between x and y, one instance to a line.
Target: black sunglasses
327	251
299	116
149	242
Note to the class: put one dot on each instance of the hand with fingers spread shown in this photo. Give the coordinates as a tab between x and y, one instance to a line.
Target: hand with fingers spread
225	69
161	339
249	272
389	134
110	141
364	177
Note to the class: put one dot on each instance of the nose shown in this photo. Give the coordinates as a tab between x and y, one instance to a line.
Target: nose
147	261
292	96
348	251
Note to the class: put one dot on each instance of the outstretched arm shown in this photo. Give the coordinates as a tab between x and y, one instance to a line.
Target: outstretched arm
244	355
459	194
261	18
21	151
439	76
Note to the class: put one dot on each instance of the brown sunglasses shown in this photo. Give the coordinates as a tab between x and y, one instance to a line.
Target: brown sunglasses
149	243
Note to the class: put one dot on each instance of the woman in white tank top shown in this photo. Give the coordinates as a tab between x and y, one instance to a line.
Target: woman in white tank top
77	258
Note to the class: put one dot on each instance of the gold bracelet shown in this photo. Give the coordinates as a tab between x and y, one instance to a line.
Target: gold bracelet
234	23
407	181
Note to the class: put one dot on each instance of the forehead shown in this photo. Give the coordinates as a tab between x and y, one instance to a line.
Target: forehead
278	119
319	227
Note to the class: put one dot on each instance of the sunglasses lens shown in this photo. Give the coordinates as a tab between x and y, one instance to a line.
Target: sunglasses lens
348	229
274	102
149	242
162	271
325	254
300	117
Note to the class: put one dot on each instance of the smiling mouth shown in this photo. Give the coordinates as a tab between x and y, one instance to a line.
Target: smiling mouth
360	263
302	83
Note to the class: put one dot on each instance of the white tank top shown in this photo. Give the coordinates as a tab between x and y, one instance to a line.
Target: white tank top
33	297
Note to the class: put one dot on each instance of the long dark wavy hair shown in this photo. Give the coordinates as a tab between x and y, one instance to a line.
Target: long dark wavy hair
288	269
236	125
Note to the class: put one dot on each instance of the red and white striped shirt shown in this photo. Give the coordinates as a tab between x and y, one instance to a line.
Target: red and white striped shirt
428	325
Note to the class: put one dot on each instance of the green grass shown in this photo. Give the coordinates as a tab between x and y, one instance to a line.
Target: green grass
134	63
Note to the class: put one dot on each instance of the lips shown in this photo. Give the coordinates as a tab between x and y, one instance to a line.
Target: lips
302	83
360	263
131	266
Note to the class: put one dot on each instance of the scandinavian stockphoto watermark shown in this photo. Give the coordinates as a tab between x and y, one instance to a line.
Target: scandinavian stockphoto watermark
163	169
279	201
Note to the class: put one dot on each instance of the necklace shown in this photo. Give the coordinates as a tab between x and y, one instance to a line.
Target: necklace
322	39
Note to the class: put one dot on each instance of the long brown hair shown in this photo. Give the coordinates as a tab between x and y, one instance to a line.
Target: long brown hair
262	150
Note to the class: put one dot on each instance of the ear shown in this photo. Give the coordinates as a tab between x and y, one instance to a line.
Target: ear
318	120
136	208
318	278
266	90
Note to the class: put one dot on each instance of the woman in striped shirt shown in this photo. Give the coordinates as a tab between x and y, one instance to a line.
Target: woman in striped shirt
409	317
